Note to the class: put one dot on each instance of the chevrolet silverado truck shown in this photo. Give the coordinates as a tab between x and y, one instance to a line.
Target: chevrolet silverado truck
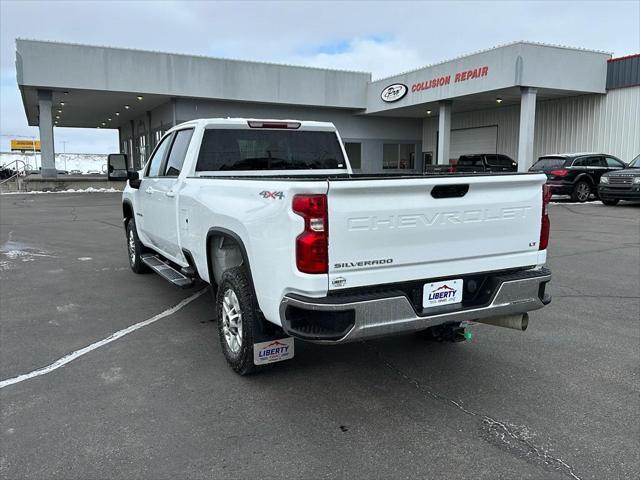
294	245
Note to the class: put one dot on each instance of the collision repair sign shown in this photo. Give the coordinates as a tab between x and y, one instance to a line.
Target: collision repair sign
458	77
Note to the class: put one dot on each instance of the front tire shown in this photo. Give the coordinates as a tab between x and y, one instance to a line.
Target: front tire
238	320
135	248
581	192
611	202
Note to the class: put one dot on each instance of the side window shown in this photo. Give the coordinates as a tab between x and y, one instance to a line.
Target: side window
613	162
153	170
593	162
580	162
178	152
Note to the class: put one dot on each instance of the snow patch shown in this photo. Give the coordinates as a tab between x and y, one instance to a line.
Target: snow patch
12	251
24	255
71	190
66	308
85	162
113	375
85	259
5	265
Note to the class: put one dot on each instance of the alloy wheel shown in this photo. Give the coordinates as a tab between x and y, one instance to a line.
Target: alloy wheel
132	247
583	192
232	320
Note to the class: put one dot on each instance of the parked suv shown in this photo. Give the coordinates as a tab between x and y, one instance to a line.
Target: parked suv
576	174
621	184
485	162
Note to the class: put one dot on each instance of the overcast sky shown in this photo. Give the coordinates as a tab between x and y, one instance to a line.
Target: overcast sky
379	37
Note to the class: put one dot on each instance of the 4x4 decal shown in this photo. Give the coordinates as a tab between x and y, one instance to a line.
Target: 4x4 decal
273	195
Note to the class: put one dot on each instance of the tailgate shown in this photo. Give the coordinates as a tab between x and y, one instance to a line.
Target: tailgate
394	230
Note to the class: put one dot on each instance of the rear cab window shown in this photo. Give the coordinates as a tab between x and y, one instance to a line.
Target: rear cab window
470	160
249	149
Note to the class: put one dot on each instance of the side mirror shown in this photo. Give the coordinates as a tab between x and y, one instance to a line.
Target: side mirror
117	166
134	179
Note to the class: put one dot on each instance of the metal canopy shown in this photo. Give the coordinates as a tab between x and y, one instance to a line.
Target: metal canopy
100	81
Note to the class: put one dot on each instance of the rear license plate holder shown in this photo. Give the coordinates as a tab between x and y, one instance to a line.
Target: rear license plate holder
439	294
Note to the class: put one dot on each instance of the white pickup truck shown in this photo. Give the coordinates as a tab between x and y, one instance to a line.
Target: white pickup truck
293	244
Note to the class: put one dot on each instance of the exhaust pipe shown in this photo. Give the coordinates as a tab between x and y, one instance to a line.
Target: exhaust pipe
517	322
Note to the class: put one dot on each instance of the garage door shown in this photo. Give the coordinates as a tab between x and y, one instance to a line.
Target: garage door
473	140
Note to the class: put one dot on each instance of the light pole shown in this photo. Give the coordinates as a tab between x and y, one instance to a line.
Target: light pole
64	151
33	144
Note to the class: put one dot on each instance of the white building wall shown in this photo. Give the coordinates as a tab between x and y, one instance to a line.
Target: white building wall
603	123
606	123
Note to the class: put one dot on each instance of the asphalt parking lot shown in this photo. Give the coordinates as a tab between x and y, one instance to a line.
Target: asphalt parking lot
560	400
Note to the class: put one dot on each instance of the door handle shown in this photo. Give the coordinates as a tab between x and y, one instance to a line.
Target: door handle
170	194
149	191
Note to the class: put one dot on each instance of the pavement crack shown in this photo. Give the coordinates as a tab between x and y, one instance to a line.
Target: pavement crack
110	224
516	439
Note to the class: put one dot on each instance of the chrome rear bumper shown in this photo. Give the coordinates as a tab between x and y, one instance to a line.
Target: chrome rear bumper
388	315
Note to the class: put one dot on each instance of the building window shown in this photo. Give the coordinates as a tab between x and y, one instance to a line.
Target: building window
399	156
354	152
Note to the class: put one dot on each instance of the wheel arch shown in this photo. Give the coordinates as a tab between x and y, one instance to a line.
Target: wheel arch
219	232
127	211
585	177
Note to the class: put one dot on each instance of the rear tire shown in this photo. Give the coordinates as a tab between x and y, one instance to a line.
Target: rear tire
612	202
238	320
581	192
135	249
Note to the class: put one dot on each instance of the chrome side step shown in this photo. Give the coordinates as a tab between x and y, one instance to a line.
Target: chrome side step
166	271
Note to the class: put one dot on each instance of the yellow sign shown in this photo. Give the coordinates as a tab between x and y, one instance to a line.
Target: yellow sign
25	145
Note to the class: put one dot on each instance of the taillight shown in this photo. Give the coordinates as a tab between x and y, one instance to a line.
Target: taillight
545	227
312	245
563	172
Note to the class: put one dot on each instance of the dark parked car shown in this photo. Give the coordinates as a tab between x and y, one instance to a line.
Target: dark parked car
485	162
576	174
5	173
621	184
